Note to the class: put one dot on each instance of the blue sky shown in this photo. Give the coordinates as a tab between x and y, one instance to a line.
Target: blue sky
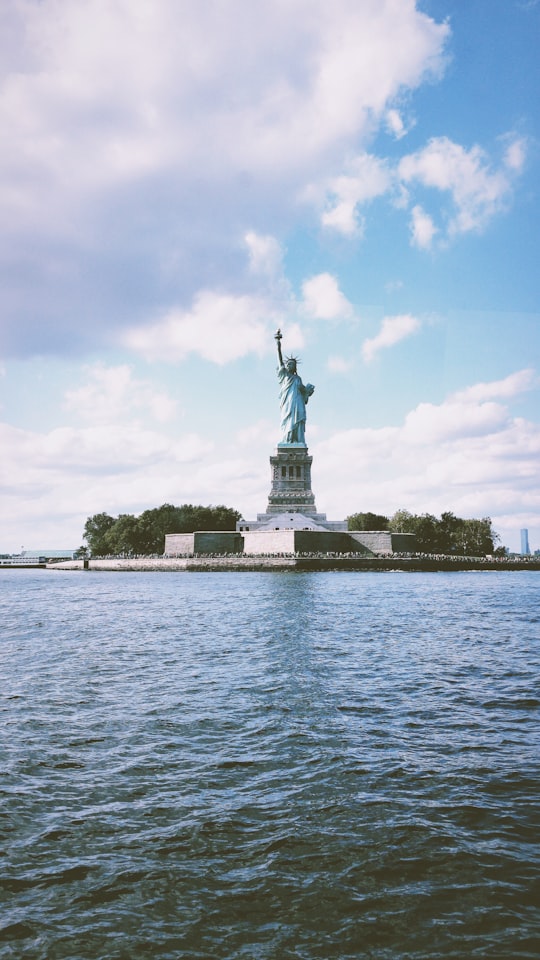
178	180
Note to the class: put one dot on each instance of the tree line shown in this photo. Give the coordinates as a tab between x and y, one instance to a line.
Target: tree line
145	534
446	535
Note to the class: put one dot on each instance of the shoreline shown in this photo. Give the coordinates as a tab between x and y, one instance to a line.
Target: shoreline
239	564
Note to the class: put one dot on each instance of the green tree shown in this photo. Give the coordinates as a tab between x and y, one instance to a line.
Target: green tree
449	527
146	534
123	537
431	534
96	529
402	522
449	535
154	524
222	518
477	538
427	532
367	521
190	518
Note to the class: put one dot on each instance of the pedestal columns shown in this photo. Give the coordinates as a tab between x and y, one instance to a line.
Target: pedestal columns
291	481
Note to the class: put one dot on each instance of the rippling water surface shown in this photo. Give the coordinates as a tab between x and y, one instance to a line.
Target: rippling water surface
269	766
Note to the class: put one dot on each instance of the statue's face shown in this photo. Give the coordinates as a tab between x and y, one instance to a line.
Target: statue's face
291	366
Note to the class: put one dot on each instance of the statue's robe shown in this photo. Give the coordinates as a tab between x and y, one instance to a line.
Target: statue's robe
293	398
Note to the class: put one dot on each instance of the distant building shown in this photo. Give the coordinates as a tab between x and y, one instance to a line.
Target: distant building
49	554
525	549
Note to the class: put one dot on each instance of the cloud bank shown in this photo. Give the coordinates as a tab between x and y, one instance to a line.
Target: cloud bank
468	454
393	329
143	141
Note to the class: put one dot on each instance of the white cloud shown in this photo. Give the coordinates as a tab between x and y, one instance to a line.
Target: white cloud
510	386
337	364
112	393
393	329
323	300
468	454
265	254
251	435
395	124
515	155
476	187
293	337
344	217
422	228
477	190
52	481
367	177
114	92
219	327
432	423
66	451
394	286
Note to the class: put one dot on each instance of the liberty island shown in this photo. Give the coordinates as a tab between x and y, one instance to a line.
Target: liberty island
291	523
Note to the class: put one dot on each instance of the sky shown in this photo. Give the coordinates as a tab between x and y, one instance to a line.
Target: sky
178	180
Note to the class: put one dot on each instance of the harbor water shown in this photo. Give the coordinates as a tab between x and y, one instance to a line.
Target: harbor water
268	766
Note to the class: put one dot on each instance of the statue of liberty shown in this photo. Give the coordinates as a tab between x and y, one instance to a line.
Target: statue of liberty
293	397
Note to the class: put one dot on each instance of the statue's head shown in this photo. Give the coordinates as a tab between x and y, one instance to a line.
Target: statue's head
291	364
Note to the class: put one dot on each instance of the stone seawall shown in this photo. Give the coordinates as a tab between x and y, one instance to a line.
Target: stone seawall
252	563
172	564
258	540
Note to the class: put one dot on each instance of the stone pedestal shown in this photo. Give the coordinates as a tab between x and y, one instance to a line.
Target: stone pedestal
291	504
291	481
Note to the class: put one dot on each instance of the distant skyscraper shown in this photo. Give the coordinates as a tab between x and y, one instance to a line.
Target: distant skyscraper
525	541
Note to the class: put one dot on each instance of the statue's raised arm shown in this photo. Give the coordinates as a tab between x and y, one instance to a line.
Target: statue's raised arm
278	336
293	397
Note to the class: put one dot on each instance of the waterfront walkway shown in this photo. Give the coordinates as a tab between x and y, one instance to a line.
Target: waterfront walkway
299	562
